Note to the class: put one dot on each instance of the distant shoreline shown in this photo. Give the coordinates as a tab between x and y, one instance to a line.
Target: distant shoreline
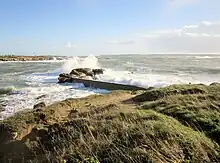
23	58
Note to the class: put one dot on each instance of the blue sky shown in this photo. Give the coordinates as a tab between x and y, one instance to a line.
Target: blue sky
82	27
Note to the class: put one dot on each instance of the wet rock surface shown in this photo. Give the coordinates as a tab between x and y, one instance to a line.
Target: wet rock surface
81	73
39	105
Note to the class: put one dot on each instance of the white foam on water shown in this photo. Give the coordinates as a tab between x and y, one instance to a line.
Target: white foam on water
144	80
206	57
46	84
28	97
77	62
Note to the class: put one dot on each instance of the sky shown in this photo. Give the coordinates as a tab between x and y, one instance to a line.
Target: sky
84	27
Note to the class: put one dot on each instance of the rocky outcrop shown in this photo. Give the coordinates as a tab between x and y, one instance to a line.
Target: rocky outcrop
81	73
1	108
98	71
88	78
40	97
39	105
63	78
86	72
23	58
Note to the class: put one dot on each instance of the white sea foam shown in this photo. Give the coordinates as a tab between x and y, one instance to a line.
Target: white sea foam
206	57
77	62
28	97
46	84
143	80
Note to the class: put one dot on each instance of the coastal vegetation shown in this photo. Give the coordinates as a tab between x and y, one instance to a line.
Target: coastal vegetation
178	123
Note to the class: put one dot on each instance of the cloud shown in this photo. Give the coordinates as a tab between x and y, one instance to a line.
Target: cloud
203	37
70	45
120	42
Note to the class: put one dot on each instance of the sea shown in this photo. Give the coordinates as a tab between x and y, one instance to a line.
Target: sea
26	83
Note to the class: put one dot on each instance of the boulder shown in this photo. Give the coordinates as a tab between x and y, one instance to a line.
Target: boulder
39	105
98	71
42	96
1	108
64	78
81	71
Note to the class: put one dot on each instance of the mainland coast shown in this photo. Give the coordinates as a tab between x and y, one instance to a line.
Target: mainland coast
178	123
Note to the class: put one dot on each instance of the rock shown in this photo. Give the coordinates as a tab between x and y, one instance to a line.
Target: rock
39	105
1	108
42	96
98	71
64	78
64	75
14	135
81	71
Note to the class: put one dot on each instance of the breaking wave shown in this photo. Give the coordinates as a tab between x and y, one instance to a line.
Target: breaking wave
6	90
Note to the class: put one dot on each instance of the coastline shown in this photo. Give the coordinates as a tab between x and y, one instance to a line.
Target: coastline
24	58
175	123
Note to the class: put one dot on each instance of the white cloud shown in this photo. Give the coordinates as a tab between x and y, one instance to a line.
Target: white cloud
120	42
70	45
203	37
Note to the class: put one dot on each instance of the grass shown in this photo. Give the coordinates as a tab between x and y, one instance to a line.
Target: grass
179	123
201	111
145	136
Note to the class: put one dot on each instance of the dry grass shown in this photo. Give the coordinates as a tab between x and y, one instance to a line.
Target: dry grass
172	124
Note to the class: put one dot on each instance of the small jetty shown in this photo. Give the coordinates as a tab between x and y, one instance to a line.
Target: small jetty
88	77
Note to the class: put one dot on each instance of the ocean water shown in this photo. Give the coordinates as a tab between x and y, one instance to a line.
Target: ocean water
21	83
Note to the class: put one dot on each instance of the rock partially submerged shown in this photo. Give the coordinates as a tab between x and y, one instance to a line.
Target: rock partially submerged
81	73
41	96
88	78
1	108
39	105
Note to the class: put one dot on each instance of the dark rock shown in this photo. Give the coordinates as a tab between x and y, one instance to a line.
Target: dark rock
64	78
39	105
42	96
81	71
98	71
65	75
1	108
150	88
